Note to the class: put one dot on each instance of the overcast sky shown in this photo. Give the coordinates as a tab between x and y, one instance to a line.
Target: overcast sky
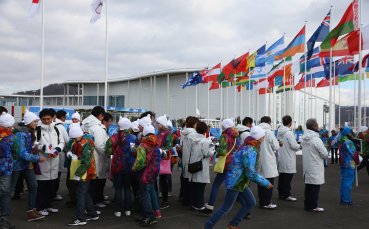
145	36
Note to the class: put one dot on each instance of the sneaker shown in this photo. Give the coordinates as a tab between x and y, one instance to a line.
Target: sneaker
33	215
233	227
127	213
290	198
319	210
204	212
58	197
207	206
148	221
164	205
157	214
247	216
98	212
117	214
5	224
106	202
53	210
270	206
100	205
77	222
44	212
106	197
92	218
170	194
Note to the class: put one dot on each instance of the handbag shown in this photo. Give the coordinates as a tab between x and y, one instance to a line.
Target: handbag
195	167
74	165
165	167
221	161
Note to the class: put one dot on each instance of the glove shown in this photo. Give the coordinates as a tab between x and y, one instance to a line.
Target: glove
74	157
77	178
69	154
174	152
133	147
36	145
163	153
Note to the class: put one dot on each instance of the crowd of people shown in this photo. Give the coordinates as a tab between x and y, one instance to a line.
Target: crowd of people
140	157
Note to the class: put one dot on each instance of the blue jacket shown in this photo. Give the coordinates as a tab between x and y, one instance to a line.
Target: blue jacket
347	151
8	146
333	139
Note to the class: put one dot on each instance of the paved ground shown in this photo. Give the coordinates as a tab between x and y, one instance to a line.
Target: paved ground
287	215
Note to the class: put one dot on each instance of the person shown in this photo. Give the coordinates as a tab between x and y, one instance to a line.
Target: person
324	136
119	146
107	121
3	109
93	126
299	132
83	150
202	150
50	144
76	118
244	129
268	163
25	160
286	159
349	159
364	136
8	146
334	147
174	156
228	144
147	164
313	155
242	171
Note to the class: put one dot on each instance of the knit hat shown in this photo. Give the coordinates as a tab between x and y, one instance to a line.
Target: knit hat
148	129
145	121
75	130
134	126
6	120
227	123
76	116
345	131
257	132
162	120
363	129
124	123
29	117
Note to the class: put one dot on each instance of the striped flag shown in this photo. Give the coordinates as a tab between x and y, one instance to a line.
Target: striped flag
297	45
35	8
212	74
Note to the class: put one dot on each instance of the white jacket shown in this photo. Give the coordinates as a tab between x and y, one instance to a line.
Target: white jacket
60	125
244	132
267	166
186	142
94	127
287	153
49	137
313	155
201	150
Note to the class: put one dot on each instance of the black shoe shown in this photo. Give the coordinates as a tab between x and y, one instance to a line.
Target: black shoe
148	221
204	212
248	216
92	218
77	222
164	205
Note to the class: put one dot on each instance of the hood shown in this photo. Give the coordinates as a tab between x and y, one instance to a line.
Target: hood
282	130
150	140
187	131
198	137
250	141
233	132
46	127
309	134
20	127
242	128
58	121
265	126
90	121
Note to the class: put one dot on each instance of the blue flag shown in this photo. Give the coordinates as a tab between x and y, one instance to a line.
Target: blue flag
319	35
343	66
314	61
195	79
260	57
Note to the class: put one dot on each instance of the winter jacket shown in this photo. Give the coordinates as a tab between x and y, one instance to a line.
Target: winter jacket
299	134
201	150
243	131
119	145
228	144
364	136
60	125
267	157
165	142
347	153
8	146
313	155
243	167
287	153
93	126
148	160
26	154
49	137
333	142
186	142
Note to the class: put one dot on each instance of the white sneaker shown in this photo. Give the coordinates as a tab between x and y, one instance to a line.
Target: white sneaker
169	194
52	210
127	213
44	212
290	198
270	206
58	197
98	212
207	206
100	205
106	197
117	214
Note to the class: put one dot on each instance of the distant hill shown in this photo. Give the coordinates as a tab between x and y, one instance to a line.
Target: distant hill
52	89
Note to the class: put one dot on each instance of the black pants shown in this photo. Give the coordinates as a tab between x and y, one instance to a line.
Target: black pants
19	188
284	185
265	194
186	192
72	188
197	194
56	187
364	163
334	156
97	190
311	196
163	179
45	192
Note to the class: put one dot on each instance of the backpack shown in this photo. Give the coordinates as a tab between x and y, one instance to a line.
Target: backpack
38	133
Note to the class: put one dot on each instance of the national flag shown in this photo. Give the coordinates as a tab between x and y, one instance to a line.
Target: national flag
353	40
194	79
235	66
319	35
244	80
35	8
325	83
316	72
301	84
340	48
276	76
251	61
96	7
260	72
348	23
263	91
315	60
260	57
350	77
273	50
262	83
212	74
284	88
214	85
297	45
343	66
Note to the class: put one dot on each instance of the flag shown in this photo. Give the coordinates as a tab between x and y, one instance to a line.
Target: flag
325	82
318	35
263	91
301	84
194	79
315	60
212	74
243	80
97	7
235	66
221	77
340	48
297	45
251	61
283	88
348	23
260	72
343	66
35	8
353	40
272	50
260	57
262	83
214	85
317	72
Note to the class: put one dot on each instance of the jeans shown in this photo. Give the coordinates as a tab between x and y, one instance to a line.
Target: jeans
163	179
265	194
19	187
123	182
186	192
30	177
364	163
334	155
247	201
72	188
197	195
45	193
284	185
148	199
56	187
84	201
97	190
311	196
347	179
5	195
218	181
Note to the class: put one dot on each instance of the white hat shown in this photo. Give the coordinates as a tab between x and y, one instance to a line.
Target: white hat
162	120
363	129
170	124
6	120
75	130
76	116
227	123
29	117
148	129
145	121
134	126
124	123
257	132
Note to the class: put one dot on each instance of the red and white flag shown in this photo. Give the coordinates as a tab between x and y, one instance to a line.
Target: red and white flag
96	7
212	74
35	8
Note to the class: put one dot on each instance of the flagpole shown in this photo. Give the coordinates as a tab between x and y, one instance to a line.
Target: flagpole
235	98
227	102
339	105
221	102
208	100
355	102
241	113
42	55
196	103
330	78
360	68
106	58
249	97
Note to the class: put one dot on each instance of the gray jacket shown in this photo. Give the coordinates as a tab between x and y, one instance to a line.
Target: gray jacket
267	166
287	153
186	142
